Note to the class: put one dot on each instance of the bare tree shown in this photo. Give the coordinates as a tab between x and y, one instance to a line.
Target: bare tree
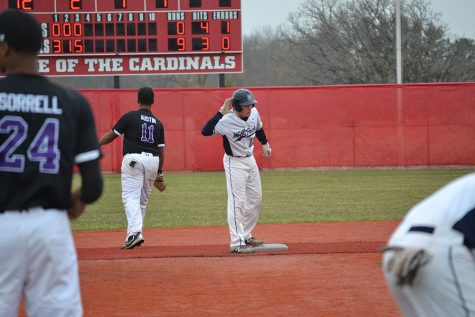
353	41
462	60
192	80
269	60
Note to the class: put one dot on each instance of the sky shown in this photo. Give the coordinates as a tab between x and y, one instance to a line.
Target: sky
458	15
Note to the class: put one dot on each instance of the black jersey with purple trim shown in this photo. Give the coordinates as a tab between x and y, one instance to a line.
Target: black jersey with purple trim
44	130
143	132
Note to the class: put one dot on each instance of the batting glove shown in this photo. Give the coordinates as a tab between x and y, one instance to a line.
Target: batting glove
267	150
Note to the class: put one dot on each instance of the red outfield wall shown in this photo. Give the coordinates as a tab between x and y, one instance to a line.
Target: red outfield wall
329	126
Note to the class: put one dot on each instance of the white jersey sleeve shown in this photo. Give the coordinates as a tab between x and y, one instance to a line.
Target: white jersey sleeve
450	212
259	121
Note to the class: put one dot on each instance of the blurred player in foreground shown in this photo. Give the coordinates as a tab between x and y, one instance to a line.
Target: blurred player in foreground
238	128
44	131
429	262
142	164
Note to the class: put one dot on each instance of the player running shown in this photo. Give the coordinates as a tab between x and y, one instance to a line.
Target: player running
238	128
142	164
44	130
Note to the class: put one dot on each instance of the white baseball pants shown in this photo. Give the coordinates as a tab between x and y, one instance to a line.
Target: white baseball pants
443	287
137	183
38	261
243	184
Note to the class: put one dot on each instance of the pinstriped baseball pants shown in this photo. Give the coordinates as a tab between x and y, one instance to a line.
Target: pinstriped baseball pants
244	190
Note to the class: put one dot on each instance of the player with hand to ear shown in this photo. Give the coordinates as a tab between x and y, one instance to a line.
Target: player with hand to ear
226	107
238	127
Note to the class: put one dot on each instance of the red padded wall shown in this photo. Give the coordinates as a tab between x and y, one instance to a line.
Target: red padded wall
328	126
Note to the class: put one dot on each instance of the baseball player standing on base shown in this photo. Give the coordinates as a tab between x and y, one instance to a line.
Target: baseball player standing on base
44	130
142	163
429	263
238	128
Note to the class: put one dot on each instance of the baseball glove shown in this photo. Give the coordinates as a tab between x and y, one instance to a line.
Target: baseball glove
405	263
159	182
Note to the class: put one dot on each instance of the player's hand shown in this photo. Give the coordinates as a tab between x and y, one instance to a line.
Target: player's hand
267	150
225	108
78	206
159	182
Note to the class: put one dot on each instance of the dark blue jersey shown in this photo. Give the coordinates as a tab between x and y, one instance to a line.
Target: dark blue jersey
44	130
143	132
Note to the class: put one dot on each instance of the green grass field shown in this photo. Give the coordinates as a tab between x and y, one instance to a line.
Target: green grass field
199	198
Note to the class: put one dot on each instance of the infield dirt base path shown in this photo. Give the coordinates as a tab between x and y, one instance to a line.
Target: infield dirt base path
330	269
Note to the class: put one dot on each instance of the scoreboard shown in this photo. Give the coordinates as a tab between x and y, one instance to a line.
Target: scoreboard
136	37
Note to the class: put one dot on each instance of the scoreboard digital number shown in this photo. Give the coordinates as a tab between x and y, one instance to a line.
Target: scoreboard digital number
128	37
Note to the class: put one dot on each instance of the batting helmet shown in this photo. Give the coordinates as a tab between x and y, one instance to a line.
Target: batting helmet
242	97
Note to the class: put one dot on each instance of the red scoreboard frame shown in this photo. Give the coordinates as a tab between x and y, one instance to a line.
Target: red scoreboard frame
136	37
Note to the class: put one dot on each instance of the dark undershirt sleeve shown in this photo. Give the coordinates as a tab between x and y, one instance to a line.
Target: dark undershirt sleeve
208	129
91	177
261	136
92	184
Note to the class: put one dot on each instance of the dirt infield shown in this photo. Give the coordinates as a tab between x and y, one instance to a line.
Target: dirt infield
330	269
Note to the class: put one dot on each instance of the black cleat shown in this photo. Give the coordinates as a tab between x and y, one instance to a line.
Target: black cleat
254	242
133	241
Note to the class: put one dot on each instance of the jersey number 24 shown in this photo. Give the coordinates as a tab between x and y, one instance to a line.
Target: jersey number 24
43	149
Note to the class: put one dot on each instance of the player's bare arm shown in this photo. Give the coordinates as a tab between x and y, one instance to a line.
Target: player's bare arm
108	138
159	182
161	156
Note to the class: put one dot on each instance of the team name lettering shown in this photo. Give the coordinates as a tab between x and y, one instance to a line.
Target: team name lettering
181	63
244	133
148	119
29	103
168	64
